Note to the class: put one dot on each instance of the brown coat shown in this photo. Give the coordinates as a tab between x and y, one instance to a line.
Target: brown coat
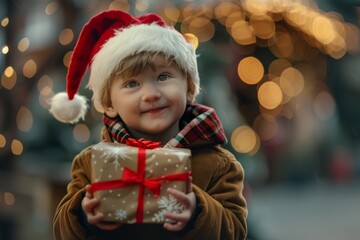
217	183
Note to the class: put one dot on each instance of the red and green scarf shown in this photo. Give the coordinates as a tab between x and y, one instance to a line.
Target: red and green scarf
198	124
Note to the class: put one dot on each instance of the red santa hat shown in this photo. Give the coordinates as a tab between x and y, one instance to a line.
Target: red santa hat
104	42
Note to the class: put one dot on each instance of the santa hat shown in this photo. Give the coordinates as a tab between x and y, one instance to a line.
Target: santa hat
106	40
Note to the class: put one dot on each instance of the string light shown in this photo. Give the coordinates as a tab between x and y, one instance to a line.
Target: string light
250	70
17	147
270	95
5	49
5	22
23	44
2	141
30	68
66	36
245	140
24	119
8	78
51	8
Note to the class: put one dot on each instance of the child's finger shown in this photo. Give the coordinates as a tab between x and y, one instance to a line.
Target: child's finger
180	196
180	217
174	227
95	218
88	193
91	204
189	185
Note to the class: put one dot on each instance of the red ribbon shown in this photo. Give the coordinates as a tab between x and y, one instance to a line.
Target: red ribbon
142	143
129	177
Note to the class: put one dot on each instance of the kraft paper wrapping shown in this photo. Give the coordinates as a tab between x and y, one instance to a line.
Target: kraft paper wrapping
120	204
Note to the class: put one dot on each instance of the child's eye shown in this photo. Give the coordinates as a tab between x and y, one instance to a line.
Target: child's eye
163	77
131	84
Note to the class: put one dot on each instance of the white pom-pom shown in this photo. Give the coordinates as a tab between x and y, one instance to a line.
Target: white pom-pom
68	111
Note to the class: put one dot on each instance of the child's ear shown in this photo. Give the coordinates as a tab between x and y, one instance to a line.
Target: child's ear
110	111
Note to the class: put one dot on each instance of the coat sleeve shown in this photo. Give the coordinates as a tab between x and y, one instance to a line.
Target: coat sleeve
69	221
221	207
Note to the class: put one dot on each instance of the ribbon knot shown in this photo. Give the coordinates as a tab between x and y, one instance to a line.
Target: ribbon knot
130	177
142	143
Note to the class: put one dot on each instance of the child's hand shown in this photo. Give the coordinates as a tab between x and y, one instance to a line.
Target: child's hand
177	222
88	205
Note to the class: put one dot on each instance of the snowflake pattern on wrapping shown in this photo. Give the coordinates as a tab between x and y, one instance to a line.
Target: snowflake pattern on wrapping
121	214
167	204
116	153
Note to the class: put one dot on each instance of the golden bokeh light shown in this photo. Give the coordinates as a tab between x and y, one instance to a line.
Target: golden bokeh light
224	10
8	78
291	82
245	140
120	4
323	29
250	70
283	47
277	66
256	6
51	8
232	18
24	119
9	198
141	5
23	44
5	49
262	25
81	133
202	28
5	22
2	141
324	106
172	13
66	36
16	147
241	32
67	57
270	95
30	68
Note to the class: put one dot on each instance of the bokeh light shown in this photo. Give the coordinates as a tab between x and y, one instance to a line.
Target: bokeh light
51	8
17	147
2	141
270	95
66	36
30	68
250	70
8	78
245	140
23	44
81	133
24	119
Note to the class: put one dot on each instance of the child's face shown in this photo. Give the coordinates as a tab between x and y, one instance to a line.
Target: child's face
152	102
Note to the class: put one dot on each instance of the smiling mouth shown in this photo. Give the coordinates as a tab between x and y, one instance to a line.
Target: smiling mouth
154	110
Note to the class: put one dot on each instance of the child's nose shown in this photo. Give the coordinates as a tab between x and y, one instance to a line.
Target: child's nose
151	92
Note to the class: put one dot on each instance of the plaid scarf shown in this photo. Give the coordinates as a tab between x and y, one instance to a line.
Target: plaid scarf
199	125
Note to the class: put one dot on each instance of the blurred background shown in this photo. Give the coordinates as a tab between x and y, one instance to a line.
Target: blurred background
284	77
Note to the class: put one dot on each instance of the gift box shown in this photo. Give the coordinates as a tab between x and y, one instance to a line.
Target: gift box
131	180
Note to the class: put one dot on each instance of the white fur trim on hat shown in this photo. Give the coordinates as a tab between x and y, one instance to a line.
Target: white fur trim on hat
136	39
68	111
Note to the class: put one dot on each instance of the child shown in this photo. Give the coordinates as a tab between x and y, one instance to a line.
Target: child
144	78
